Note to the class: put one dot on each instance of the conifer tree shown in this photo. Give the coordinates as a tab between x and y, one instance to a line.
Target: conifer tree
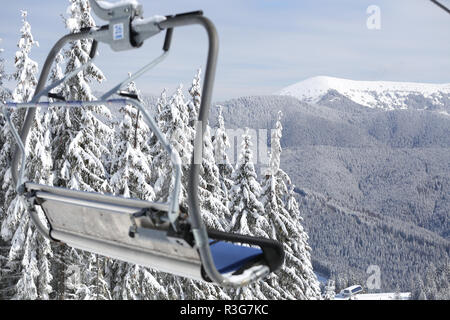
248	216
130	170
26	69
35	281
298	257
158	167
195	91
221	145
4	95
212	197
247	211
29	252
81	137
173	120
296	278
4	92
329	291
172	117
80	149
25	77
418	292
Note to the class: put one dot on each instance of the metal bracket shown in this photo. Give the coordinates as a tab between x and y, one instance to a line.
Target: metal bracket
147	227
119	16
109	11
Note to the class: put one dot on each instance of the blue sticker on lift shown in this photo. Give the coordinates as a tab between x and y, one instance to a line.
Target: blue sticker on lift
118	31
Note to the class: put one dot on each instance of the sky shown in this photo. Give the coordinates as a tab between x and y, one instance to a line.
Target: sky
265	45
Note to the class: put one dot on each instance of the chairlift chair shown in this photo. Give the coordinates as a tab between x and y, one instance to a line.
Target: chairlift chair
162	236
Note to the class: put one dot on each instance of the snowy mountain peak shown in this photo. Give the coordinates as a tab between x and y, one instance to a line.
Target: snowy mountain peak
373	94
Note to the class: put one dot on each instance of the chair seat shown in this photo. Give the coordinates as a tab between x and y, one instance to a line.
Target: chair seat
230	257
101	224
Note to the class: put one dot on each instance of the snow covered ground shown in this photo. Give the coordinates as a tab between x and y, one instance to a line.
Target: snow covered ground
372	94
378	296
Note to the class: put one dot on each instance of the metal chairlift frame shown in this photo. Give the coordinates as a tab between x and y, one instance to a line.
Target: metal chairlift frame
126	29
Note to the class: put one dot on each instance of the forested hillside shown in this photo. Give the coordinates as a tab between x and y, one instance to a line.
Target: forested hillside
373	185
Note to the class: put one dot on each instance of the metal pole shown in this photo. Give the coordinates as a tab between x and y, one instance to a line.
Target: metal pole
440	5
198	228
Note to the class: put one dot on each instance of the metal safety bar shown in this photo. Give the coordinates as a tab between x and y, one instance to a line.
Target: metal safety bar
175	158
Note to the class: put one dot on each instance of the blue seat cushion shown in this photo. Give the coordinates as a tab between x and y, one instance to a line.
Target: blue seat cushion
229	257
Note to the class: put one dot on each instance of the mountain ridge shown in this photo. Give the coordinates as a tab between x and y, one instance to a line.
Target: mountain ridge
389	95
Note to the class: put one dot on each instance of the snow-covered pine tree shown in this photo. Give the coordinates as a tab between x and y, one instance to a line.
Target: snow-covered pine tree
56	72
418	291
80	147
340	282
56	127
246	210
397	295
35	281
195	91
172	118
4	92
25	76
431	289
80	138
29	253
158	169
274	190
221	144
298	256
130	169
4	96
26	69
213	198
329	291
296	279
